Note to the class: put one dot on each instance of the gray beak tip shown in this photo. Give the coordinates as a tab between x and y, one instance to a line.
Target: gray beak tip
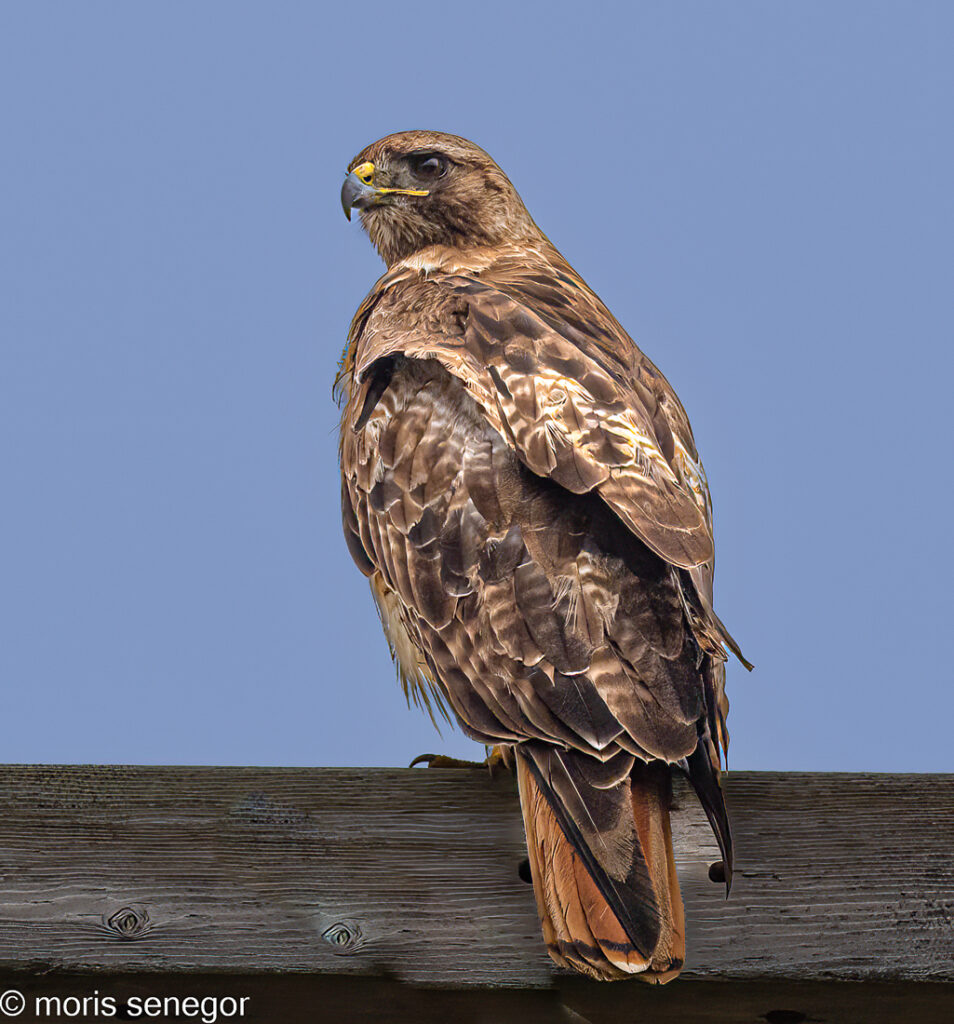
355	194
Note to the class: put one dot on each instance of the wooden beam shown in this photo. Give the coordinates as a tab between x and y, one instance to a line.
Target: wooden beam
412	876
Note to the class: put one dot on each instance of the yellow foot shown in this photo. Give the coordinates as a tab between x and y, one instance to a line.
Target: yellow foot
499	759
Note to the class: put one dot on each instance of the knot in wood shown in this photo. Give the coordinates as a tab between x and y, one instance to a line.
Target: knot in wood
128	922
344	936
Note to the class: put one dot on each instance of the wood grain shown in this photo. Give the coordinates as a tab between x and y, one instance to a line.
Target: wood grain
413	876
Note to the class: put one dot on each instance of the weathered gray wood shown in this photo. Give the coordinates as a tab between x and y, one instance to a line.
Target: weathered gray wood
414	875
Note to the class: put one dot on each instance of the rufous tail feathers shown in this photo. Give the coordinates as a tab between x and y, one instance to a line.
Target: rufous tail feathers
603	870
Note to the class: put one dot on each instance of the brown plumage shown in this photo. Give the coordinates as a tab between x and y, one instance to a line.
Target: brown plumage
521	485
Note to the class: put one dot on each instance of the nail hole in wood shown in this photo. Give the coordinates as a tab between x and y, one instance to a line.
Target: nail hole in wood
523	870
717	874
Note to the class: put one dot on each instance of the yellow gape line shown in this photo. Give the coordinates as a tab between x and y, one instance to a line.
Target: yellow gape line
365	172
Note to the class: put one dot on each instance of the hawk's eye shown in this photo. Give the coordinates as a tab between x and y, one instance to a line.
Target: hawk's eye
428	166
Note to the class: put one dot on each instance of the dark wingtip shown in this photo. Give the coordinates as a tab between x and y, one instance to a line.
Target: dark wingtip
706	784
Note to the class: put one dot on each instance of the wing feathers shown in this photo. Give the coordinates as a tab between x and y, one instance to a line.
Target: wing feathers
522	487
557	400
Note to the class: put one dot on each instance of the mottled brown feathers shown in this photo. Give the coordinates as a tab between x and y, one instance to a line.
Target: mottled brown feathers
522	487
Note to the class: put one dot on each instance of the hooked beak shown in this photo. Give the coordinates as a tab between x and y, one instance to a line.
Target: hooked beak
355	193
359	190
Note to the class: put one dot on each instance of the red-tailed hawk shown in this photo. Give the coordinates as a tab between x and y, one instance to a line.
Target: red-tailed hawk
521	486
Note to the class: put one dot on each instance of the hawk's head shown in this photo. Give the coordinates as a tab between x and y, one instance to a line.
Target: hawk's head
417	189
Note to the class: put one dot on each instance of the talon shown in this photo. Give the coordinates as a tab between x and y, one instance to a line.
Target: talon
422	759
441	761
500	760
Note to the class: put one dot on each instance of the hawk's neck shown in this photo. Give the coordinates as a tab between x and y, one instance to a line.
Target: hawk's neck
448	259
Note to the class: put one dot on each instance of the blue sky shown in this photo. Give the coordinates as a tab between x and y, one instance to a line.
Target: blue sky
760	192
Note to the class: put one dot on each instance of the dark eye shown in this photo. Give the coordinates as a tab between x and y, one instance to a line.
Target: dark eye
428	166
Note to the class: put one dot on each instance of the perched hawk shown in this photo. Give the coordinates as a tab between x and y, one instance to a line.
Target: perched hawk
521	486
